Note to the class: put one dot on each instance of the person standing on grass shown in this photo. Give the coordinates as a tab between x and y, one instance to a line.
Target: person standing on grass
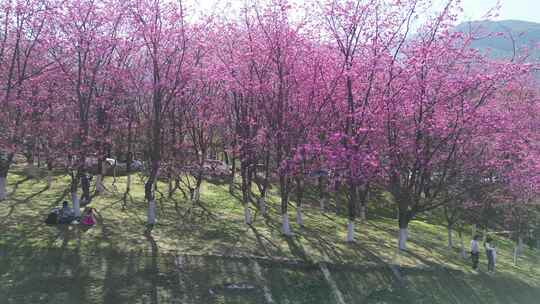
85	185
475	252
490	253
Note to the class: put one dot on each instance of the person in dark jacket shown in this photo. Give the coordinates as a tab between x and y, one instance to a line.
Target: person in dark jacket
66	215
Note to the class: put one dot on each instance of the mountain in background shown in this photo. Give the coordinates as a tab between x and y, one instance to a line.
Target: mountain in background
525	34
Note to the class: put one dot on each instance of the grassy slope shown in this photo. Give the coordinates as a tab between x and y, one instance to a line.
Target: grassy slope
115	262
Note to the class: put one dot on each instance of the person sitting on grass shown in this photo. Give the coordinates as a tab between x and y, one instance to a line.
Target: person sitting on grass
88	218
66	215
52	218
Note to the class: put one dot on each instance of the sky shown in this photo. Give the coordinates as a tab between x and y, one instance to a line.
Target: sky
526	10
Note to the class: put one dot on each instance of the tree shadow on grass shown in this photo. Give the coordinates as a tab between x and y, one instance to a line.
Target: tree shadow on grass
17	184
263	240
17	202
296	248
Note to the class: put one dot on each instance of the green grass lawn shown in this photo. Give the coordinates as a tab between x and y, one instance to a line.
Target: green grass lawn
205	254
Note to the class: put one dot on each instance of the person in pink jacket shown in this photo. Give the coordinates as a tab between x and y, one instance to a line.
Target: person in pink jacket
88	218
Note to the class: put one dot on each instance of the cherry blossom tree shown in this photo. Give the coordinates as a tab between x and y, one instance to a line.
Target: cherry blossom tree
24	32
87	34
164	55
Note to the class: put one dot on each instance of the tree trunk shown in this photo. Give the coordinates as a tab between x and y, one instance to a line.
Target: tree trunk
403	226
170	190
462	244
262	204
74	189
49	179
322	193
353	198
247	215
100	188
403	236
285	229
85	186
473	234
350	231
4	169
284	193
246	191
363	212
195	195
299	199
233	173
520	245
128	183
99	184
75	202
336	193
450	240
149	192
299	219
129	159
364	198
3	190
151	216
49	173
263	186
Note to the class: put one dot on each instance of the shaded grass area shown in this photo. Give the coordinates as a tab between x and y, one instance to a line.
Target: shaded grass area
196	254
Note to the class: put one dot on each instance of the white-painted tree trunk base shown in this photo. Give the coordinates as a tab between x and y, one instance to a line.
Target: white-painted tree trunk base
247	215
49	179
99	184
322	203
3	191
462	247
151	216
515	255
403	236
76	204
350	231
520	245
299	219
285	228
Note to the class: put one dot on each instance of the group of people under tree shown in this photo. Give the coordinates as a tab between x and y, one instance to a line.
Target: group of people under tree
66	215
